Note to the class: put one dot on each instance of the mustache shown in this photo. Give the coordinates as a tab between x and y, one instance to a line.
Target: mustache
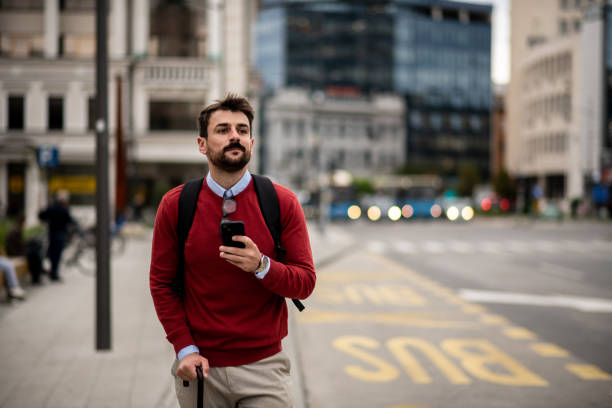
234	145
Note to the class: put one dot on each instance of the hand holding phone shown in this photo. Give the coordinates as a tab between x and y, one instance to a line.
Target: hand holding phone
229	229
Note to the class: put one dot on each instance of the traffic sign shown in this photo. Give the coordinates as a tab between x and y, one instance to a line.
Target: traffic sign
48	156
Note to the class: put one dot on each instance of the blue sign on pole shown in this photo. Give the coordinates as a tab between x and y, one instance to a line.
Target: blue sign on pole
48	156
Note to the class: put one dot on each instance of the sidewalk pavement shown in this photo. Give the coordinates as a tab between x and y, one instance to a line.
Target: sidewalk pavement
47	343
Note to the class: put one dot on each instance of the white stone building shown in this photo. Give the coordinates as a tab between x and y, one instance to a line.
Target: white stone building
310	134
171	59
554	100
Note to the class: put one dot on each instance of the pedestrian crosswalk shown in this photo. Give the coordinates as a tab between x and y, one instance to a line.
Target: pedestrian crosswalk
499	247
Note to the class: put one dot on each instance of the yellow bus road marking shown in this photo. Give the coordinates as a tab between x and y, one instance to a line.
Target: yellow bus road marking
477	357
588	372
493	320
454	300
473	309
341	277
402	319
376	294
519	333
549	350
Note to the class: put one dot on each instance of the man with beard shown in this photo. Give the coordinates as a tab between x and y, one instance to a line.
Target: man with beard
233	315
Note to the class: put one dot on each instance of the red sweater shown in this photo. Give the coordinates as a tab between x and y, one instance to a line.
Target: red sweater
232	316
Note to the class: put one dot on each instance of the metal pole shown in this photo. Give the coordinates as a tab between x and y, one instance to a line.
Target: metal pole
605	141
103	318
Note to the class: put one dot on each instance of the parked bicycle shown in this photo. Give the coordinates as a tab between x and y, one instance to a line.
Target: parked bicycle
81	248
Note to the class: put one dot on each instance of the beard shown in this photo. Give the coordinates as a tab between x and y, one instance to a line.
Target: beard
228	163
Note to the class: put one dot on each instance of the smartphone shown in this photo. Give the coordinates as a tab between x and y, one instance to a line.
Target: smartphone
229	229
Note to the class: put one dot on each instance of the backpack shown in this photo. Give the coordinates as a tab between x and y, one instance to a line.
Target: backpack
268	204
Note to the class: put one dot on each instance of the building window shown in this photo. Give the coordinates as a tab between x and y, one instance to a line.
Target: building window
577	25
77	5
562	27
91	113
55	110
456	121
367	159
436	121
475	123
15	112
22	5
416	120
61	41
173	115
563	4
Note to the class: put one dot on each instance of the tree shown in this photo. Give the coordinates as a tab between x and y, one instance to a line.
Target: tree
504	185
363	186
468	179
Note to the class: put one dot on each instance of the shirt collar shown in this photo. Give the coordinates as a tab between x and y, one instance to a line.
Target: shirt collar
235	189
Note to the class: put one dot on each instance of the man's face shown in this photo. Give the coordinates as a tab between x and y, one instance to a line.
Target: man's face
229	143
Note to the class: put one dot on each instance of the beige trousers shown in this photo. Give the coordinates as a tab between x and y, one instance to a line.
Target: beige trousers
264	383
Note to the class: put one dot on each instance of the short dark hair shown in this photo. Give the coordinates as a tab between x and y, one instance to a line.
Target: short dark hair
231	102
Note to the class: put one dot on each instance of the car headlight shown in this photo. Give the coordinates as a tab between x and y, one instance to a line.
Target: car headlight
467	213
394	213
354	212
452	213
374	213
435	211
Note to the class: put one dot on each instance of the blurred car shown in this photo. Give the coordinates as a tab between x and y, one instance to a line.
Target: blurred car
487	201
457	208
379	207
419	202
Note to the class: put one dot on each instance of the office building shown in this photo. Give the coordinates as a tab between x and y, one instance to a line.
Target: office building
309	135
434	53
167	59
558	135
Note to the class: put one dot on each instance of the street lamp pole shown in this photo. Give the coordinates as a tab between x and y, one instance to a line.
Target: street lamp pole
606	146
103	315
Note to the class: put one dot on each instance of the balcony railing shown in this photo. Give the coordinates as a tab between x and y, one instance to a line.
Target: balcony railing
188	72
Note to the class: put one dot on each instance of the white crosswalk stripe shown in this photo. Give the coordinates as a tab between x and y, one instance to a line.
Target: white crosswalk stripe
433	247
461	247
378	247
575	246
519	247
504	247
490	247
405	247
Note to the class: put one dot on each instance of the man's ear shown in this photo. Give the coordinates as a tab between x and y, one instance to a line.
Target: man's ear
202	145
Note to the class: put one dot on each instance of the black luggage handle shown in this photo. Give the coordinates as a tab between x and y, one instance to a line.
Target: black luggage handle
200	386
300	306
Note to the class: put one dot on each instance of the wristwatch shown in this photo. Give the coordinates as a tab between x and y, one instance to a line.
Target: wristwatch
263	264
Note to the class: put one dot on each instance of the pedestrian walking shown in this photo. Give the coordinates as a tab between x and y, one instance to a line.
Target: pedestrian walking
231	316
57	216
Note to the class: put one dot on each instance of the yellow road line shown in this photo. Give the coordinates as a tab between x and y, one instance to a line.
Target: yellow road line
473	309
403	319
588	372
493	320
549	350
519	333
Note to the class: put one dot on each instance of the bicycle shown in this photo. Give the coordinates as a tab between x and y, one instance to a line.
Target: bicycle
81	248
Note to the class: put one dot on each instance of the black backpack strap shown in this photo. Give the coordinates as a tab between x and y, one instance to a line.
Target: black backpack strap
270	209
268	204
188	202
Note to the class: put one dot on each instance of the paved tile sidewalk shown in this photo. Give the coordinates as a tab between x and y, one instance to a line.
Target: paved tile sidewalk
47	342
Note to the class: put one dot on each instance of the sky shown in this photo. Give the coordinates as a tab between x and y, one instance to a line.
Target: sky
500	52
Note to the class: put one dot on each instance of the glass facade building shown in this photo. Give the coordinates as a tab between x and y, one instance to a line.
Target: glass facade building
436	53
